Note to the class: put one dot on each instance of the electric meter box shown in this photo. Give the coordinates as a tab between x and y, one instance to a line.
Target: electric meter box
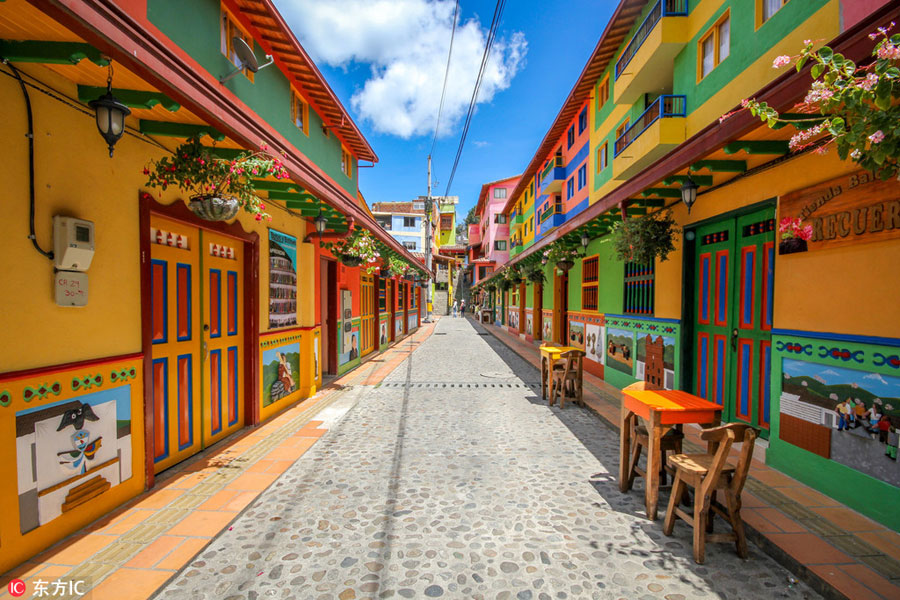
73	243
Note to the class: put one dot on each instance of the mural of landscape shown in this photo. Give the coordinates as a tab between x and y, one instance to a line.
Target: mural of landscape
620	350
281	372
668	358
814	396
576	334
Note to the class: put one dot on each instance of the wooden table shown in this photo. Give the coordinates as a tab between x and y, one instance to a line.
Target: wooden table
549	356
661	410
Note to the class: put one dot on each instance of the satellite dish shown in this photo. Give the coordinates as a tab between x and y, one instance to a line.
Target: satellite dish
246	57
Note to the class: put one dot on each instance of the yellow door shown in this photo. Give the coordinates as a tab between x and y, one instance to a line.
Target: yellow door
197	337
367	302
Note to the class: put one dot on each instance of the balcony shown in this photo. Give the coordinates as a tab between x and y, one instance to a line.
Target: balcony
657	131
552	176
552	216
646	63
518	220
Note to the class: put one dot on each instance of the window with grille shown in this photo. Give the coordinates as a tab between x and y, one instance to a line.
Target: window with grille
382	296
446	221
639	288
590	282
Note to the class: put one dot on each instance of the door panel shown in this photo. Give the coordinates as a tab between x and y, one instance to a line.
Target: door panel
198	341
734	269
367	301
175	314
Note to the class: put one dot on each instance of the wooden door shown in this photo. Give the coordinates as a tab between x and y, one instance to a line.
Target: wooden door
734	268
367	305
197	337
560	307
391	303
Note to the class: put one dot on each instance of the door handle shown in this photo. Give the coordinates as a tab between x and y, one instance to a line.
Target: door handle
205	349
734	337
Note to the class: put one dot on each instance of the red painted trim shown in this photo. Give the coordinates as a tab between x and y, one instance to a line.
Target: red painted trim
715	307
709	288
744	252
713	352
702	386
288	330
761	399
67	366
744	345
766	290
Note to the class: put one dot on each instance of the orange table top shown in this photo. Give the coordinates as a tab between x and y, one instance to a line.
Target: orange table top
556	350
676	406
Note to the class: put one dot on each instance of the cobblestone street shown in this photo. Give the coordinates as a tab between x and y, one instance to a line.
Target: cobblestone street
453	479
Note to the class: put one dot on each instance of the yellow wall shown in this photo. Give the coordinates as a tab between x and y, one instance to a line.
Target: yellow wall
840	290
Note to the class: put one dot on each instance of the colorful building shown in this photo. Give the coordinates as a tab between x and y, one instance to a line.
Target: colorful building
489	239
778	338
405	221
152	332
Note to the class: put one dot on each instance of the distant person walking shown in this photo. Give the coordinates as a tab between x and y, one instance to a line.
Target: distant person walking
455	309
462	307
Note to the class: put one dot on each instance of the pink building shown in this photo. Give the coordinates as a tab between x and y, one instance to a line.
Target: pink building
489	238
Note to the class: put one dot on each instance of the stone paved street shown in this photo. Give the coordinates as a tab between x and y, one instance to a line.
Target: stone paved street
453	479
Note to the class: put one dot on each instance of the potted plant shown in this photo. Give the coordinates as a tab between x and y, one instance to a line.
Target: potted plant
793	235
561	255
217	187
644	239
397	266
513	273
358	248
535	274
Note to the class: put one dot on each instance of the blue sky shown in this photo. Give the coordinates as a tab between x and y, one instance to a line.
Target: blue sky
386	63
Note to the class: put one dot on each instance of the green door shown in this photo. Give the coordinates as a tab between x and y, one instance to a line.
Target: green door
734	267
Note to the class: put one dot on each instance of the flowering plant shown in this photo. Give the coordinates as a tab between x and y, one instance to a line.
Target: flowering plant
644	239
854	107
558	252
792	227
512	273
195	171
397	266
359	245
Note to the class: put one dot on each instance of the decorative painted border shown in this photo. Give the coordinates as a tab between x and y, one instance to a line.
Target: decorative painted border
277	341
839	337
671	327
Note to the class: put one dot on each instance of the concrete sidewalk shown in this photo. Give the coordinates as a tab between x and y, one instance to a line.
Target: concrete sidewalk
837	551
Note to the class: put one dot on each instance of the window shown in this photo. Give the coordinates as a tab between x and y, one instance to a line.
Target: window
582	177
715	46
418	206
409	245
766	8
602	157
385	222
622	129
603	93
499	193
500	245
571	136
409	221
589	283
299	112
531	224
582	121
500	218
446	221
639	288
570	188
346	162
229	31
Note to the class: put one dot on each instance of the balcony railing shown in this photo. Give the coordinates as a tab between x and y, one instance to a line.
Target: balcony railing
663	107
556	162
662	8
518	219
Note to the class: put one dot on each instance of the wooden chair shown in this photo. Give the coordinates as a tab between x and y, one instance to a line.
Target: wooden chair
707	474
567	378
640	439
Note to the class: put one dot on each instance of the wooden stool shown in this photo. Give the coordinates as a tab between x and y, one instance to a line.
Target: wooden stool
671	442
708	473
566	378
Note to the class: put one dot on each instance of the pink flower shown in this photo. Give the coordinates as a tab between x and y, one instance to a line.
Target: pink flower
806	233
869	82
781	61
877	137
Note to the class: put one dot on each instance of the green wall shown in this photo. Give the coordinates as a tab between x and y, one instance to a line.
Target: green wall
197	32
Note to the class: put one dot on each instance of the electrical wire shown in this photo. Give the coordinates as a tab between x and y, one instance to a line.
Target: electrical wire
437	124
30	136
492	33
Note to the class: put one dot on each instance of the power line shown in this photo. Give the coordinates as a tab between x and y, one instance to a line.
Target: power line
446	75
495	25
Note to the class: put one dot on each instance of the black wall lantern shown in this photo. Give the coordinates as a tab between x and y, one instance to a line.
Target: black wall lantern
320	222
585	240
110	114
689	193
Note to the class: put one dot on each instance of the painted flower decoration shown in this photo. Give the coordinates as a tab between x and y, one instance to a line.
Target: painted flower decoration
792	227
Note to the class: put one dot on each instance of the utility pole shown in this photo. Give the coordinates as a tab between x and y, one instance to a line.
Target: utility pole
428	208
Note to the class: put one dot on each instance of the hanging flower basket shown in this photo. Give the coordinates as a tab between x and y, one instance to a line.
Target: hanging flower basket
643	240
214	208
350	261
791	246
793	235
565	265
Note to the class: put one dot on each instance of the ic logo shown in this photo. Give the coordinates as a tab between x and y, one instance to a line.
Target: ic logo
16	588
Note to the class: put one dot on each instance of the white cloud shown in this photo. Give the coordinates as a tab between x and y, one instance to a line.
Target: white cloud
481	144
405	44
830	372
876	377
